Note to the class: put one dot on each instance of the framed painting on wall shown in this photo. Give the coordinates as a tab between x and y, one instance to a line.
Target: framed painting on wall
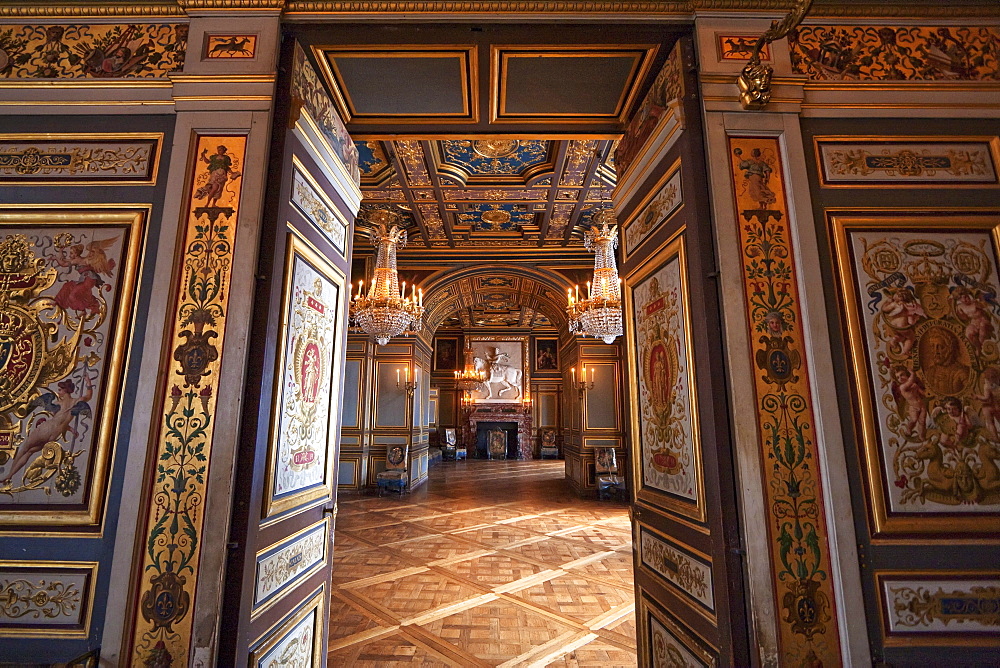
919	294
546	354
445	353
502	359
668	471
305	414
68	280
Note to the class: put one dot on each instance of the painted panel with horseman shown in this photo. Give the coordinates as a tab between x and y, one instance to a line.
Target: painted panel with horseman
664	417
921	299
67	283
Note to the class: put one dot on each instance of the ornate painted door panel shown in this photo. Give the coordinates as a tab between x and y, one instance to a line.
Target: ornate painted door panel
688	575
915	269
277	588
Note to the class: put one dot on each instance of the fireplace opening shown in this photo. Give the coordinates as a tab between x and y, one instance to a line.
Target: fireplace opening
482	438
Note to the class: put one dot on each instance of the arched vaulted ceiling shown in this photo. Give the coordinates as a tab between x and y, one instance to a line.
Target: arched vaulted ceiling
493	288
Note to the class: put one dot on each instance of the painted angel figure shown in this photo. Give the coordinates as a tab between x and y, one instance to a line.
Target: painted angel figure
911	399
954	421
79	295
972	311
63	407
902	311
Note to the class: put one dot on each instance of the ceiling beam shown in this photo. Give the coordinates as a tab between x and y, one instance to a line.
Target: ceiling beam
558	165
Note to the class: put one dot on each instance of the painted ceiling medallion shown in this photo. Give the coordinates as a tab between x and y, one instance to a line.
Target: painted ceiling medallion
495	148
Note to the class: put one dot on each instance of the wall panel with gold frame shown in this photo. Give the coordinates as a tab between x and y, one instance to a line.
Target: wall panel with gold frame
918	291
300	468
668	472
68	288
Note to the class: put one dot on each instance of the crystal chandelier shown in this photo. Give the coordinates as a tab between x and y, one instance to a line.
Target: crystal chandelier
600	314
469	378
386	311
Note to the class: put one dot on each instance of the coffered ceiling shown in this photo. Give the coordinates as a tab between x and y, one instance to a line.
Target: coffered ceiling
489	192
488	135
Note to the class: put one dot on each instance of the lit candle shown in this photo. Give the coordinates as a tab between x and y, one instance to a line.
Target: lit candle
360	284
402	294
573	371
407	374
421	295
569	297
397	376
590	291
577	293
591	375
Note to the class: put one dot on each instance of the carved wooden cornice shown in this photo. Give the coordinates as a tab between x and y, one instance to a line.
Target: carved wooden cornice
971	9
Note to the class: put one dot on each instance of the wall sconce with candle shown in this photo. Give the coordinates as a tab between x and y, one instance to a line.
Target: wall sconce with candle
582	385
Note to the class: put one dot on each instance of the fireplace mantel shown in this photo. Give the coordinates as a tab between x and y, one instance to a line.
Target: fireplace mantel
512	412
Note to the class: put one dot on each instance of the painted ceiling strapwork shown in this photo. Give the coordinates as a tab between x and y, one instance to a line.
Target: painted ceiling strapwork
490	192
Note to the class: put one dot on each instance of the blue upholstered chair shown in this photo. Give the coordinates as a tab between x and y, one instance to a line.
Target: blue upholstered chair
395	477
609	482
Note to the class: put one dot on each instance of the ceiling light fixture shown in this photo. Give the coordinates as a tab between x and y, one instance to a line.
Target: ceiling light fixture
386	311
600	314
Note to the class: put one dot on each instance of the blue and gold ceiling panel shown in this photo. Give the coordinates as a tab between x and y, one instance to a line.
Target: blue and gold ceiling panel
496	217
371	160
360	76
487	159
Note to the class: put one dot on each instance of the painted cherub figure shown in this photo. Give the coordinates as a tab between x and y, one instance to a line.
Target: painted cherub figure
972	311
990	399
953	410
911	398
902	311
92	267
62	406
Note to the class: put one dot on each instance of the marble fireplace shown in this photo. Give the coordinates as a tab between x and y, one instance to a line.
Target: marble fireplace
512	412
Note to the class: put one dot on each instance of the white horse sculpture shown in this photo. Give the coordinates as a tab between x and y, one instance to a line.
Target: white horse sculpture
508	377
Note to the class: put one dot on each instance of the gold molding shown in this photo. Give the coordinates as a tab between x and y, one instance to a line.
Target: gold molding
681	9
467	54
277	633
290	585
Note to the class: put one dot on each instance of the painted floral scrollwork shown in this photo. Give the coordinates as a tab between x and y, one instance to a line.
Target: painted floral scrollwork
50	599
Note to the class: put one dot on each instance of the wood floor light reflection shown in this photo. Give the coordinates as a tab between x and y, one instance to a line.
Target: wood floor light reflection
491	563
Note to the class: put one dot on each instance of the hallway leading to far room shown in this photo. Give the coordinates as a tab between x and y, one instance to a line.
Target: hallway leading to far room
492	563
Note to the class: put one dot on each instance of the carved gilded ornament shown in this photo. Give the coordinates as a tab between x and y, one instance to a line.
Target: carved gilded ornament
26	159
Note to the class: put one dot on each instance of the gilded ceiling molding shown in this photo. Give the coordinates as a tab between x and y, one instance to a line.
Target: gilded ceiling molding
167	8
663	8
231	4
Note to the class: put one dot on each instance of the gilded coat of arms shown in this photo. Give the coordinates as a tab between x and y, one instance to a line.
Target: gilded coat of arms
932	315
54	292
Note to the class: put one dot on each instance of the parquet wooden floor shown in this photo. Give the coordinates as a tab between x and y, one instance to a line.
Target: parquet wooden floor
491	563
